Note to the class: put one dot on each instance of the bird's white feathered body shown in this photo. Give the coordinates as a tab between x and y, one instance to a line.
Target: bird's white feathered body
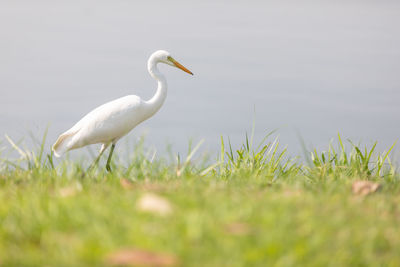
105	124
109	122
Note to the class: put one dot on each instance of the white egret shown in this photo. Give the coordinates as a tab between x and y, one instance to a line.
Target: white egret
109	122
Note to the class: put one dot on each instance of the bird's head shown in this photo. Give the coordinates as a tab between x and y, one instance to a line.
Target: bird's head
165	57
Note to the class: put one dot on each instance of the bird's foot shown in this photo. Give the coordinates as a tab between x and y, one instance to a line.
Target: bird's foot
90	168
108	168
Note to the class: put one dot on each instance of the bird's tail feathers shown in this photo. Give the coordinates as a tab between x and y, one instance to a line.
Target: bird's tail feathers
63	143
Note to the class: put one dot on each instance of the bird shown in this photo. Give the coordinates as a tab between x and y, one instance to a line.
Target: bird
108	123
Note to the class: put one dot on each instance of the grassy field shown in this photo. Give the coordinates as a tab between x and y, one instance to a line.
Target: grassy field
253	206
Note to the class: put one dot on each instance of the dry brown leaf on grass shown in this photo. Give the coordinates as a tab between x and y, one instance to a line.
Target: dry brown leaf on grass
292	193
149	186
154	204
125	183
238	228
138	257
70	190
364	188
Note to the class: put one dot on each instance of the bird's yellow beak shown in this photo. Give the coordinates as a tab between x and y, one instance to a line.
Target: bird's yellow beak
179	65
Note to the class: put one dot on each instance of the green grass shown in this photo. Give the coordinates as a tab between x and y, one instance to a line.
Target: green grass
252	206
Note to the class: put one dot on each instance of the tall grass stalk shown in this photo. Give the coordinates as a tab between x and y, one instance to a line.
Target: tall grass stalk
360	162
266	159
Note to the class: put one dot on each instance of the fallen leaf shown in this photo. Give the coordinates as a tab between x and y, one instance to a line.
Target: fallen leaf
238	228
291	193
125	183
155	204
137	257
70	190
364	188
152	187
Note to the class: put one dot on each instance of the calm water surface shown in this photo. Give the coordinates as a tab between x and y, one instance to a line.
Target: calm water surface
309	68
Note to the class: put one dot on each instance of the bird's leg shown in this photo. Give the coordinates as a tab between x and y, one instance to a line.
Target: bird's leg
108	168
102	149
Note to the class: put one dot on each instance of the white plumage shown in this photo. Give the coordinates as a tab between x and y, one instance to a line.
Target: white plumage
105	124
109	122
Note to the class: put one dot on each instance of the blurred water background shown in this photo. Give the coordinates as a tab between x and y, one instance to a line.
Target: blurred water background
307	68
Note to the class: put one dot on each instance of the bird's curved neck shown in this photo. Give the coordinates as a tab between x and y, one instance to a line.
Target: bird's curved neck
155	103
